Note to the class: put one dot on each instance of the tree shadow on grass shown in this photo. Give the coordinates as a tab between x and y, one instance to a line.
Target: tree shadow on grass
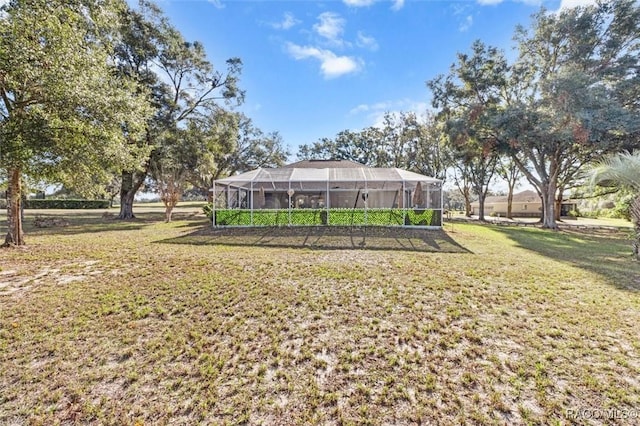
606	253
325	238
80	222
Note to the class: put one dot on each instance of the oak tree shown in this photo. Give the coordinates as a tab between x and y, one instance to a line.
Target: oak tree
576	80
183	82
64	112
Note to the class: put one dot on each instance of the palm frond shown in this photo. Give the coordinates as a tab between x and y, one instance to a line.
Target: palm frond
622	169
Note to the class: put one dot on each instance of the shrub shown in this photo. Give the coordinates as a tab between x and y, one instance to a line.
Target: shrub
622	209
207	209
66	204
313	217
594	214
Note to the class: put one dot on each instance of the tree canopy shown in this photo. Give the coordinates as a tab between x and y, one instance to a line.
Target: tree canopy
65	114
569	98
468	99
185	87
404	140
94	89
573	76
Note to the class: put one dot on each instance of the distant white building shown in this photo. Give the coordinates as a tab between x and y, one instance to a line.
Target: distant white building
525	204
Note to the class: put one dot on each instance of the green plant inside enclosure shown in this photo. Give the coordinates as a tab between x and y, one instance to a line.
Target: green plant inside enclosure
337	217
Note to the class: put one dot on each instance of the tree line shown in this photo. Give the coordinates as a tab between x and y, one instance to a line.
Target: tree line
98	95
570	97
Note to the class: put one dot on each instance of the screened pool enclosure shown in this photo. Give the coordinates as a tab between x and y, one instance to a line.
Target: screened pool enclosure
339	196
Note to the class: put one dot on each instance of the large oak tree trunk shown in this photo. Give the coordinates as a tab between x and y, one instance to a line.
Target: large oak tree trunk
15	235
481	208
558	205
467	202
549	206
131	183
510	204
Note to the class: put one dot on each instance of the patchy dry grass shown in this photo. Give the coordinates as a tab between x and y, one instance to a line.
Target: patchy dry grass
150	323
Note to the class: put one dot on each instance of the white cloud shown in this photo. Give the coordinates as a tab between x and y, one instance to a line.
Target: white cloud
569	4
217	3
397	5
288	21
375	112
489	2
358	3
331	64
462	14
466	23
331	27
367	42
378	106
360	108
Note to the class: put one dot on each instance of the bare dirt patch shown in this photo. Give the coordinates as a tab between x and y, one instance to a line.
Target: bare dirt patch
25	279
50	222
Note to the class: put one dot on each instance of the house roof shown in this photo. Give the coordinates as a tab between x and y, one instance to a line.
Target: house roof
527	196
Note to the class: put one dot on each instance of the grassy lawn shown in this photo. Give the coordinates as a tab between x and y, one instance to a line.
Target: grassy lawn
142	322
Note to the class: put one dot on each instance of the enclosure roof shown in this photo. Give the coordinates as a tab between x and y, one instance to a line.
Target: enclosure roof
331	174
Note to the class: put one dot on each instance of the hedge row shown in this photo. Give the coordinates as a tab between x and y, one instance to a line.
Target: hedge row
66	204
338	217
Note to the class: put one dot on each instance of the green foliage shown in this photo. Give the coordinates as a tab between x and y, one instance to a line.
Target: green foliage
188	126
574	213
570	96
621	170
244	147
65	114
618	170
66	204
62	109
574	77
207	209
335	217
469	98
622	209
405	141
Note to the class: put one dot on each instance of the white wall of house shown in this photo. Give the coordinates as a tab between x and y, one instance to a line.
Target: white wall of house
518	209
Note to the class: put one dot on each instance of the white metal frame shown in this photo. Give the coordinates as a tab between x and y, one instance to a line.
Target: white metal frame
234	181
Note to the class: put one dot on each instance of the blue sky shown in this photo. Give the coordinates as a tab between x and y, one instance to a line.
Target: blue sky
314	68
